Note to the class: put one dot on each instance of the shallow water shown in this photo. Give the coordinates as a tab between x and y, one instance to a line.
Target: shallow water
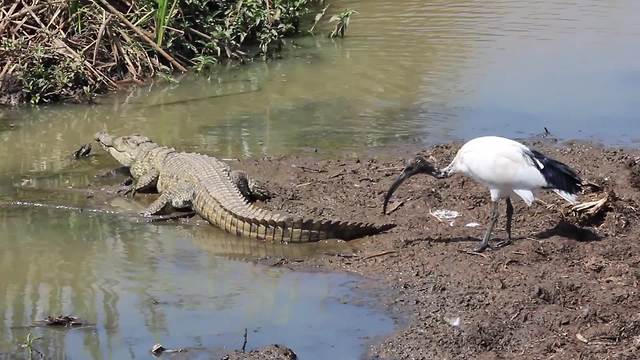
408	71
140	284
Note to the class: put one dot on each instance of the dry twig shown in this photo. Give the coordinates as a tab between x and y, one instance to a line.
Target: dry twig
139	32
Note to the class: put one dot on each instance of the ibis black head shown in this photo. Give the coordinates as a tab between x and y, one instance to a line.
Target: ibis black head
416	166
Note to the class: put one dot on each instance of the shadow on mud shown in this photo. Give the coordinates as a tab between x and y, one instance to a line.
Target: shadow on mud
569	231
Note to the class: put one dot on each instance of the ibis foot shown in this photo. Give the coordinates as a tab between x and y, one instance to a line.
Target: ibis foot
483	246
503	243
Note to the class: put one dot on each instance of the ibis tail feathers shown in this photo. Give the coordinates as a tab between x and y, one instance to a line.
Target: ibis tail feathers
526	195
559	177
571	198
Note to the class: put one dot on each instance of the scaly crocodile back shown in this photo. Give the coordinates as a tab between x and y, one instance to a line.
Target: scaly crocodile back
219	201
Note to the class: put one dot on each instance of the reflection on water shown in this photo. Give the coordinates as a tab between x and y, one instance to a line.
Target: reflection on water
408	71
140	284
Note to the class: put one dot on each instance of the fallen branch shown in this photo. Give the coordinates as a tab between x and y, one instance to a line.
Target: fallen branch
340	173
103	26
469	252
139	32
383	253
203	35
5	20
395	206
25	11
304	168
244	342
591	207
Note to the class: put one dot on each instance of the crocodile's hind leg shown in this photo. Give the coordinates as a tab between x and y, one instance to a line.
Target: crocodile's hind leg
249	188
179	197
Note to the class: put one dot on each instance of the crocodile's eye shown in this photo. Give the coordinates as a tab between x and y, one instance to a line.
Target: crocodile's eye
138	140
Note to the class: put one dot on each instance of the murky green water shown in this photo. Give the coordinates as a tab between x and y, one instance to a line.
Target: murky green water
140	284
409	71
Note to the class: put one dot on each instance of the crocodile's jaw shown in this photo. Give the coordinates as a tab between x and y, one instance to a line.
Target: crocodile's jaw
124	149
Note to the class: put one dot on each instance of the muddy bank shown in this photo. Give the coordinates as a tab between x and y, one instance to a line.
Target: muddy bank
566	288
271	352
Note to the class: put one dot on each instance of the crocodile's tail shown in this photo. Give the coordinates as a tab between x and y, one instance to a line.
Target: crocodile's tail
229	210
299	230
351	230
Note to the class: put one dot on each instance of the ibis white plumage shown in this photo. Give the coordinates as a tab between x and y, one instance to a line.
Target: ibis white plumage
507	168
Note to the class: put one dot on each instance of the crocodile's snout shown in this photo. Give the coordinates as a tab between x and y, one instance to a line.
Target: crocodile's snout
103	138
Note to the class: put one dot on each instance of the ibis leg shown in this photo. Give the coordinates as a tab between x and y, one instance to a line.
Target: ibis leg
509	220
487	235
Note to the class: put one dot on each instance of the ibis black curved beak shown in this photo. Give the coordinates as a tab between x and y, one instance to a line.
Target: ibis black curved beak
404	175
416	166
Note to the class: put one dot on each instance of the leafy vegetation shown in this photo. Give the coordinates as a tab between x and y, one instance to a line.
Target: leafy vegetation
28	346
68	50
163	16
53	50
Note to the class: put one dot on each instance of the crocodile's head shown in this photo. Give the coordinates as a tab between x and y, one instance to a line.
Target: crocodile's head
125	149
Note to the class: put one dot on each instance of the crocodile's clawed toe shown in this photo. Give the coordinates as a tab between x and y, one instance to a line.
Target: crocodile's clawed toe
126	191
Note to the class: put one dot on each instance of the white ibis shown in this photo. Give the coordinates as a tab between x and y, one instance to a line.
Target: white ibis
506	167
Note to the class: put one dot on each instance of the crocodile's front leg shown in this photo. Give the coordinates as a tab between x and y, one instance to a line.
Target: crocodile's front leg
147	180
179	197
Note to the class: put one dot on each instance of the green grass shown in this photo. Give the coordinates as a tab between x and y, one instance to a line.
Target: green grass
163	16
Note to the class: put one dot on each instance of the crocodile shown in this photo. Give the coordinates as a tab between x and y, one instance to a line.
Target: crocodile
219	195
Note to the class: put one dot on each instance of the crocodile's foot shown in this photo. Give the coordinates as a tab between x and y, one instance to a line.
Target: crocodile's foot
251	189
127	188
127	191
259	191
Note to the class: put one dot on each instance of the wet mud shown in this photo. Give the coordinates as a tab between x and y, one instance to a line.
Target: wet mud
567	287
271	352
